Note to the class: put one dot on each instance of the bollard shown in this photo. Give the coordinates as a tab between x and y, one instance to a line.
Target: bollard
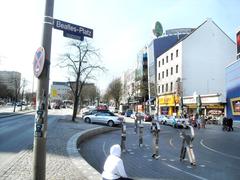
141	135
123	137
137	121
189	147
135	125
155	128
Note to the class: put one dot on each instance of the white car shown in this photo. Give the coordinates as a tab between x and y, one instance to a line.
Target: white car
163	119
179	122
107	118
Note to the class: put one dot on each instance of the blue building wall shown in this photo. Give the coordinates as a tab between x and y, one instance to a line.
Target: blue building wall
233	90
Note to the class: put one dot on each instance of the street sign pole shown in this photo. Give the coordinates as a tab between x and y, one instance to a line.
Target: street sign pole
40	127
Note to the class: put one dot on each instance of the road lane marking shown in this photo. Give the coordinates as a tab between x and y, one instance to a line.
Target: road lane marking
224	154
103	148
171	143
177	169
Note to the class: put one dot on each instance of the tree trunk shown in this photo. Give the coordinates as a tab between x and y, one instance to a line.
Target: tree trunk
76	99
75	108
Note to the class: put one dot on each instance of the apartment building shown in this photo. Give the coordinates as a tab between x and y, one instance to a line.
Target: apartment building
195	65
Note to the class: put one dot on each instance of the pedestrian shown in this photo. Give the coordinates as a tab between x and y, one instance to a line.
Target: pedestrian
225	124
199	121
230	124
113	166
203	121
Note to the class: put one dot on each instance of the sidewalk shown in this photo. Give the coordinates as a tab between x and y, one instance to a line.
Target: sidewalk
8	111
59	165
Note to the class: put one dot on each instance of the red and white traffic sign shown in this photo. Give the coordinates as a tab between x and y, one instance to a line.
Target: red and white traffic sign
38	62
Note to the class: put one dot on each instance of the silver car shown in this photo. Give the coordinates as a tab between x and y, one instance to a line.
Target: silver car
107	118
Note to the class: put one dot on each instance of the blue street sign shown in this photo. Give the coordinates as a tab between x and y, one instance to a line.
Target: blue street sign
66	34
72	30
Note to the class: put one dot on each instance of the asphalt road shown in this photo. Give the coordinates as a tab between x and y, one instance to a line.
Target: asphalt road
217	154
16	134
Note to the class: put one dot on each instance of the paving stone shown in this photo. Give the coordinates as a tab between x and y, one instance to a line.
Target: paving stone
58	164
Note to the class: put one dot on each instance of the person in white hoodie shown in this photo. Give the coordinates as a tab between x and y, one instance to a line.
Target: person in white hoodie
113	167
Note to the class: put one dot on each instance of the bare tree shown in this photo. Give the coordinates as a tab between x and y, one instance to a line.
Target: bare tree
106	97
115	90
23	85
82	62
17	88
89	94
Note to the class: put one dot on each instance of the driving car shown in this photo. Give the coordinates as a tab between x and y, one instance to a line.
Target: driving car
107	118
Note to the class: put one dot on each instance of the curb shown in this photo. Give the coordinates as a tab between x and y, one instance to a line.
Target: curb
88	171
10	114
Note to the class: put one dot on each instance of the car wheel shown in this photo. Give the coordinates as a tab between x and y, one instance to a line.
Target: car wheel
110	123
88	120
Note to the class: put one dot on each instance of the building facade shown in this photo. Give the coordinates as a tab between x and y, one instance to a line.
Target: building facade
233	90
156	48
11	79
59	91
233	85
195	65
128	83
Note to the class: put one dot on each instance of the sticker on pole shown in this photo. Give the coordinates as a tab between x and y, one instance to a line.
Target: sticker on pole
38	62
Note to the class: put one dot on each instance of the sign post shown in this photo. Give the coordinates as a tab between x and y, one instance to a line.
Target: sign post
41	71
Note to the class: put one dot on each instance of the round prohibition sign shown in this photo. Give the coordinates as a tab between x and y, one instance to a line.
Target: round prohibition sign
38	62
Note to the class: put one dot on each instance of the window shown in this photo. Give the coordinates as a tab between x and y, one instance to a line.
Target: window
162	61
171	56
171	70
162	88
167	73
167	87
158	89
167	59
163	74
177	53
171	86
176	68
159	76
159	63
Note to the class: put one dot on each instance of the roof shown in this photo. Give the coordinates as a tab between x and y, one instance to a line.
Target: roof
209	19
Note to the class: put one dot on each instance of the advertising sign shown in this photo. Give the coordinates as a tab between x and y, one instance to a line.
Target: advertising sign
238	44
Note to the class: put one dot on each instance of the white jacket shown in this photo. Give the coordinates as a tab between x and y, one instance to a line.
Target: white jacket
113	167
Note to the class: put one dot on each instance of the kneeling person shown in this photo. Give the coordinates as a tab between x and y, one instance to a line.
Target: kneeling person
113	167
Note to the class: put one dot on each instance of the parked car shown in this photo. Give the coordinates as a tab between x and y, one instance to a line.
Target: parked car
56	105
184	122
171	121
178	122
93	111
9	104
147	117
162	119
128	112
107	118
133	115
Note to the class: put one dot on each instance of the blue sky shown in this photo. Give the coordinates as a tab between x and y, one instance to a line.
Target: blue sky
121	29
